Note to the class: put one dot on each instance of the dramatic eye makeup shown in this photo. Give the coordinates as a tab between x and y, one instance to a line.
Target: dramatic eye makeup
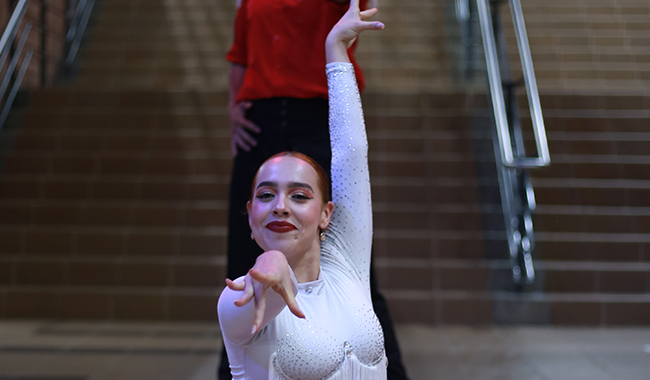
299	191
264	195
301	195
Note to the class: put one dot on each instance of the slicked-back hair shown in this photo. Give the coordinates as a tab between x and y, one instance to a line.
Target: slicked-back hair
323	180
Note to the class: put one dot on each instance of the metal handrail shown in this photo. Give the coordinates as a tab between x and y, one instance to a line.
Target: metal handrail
78	14
515	185
6	41
77	28
10	31
14	61
14	21
14	90
496	90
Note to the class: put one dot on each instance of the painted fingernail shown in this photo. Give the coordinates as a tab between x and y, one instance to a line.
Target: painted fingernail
253	329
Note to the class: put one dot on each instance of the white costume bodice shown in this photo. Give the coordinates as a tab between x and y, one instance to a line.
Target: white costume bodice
341	337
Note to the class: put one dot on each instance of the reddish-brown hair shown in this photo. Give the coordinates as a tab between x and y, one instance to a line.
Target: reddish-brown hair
323	180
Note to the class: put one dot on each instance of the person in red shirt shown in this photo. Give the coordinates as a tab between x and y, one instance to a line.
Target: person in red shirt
278	102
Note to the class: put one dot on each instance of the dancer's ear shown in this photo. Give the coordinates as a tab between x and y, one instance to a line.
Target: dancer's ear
325	215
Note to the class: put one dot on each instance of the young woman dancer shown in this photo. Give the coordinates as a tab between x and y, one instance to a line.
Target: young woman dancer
304	310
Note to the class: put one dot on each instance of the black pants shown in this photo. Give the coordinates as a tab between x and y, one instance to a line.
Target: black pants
287	124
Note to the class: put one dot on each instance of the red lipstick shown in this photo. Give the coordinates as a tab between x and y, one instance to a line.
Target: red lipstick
280	227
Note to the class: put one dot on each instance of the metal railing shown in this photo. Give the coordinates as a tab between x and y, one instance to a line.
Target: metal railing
76	14
7	48
512	165
495	68
517	194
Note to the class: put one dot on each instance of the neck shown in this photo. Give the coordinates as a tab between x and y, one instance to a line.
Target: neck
306	267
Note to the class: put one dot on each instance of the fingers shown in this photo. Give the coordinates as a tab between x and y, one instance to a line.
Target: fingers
368	13
260	307
243	140
252	290
279	288
290	299
240	127
235	285
370	25
260	277
237	142
354	4
249	292
295	309
246	137
245	123
239	119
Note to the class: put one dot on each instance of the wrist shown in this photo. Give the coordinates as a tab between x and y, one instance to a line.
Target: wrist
335	50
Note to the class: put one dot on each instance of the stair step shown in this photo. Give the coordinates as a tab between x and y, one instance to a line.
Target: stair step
124	214
383	164
126	303
116	240
451	307
393	273
563	145
119	272
528	308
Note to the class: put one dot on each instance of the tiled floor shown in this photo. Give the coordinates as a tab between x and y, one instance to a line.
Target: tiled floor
164	351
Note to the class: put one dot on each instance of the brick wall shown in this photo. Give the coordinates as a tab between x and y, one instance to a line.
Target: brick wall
113	196
597	45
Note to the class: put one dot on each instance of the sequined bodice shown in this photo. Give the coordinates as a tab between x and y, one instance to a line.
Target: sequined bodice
341	337
317	347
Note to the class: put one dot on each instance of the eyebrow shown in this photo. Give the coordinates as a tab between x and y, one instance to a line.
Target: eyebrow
292	185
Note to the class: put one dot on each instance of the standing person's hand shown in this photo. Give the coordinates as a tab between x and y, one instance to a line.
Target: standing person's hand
271	270
241	128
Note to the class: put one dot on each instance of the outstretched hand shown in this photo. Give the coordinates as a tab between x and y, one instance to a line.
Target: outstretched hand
271	270
346	31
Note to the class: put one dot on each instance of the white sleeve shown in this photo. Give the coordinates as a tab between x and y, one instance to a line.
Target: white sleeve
237	322
350	230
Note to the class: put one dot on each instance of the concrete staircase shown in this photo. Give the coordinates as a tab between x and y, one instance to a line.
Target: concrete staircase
113	189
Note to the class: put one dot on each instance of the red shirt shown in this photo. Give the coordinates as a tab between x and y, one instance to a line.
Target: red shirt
282	45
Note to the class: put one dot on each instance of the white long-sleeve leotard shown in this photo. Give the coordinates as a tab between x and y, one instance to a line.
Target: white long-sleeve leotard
341	337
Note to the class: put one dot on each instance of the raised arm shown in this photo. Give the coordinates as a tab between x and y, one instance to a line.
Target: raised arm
351	227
